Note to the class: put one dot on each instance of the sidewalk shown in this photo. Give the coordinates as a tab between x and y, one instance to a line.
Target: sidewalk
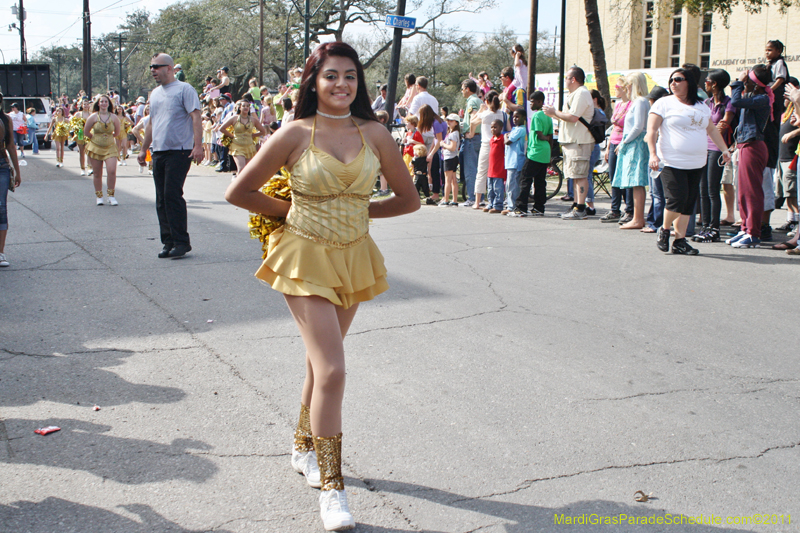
517	370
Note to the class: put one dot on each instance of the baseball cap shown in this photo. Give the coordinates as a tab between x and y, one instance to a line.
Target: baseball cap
224	69
141	100
657	92
226	96
178	66
453	116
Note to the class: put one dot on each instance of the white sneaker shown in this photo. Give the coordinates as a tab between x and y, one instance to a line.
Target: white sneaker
4	263
112	201
141	169
306	463
91	171
100	201
334	511
83	172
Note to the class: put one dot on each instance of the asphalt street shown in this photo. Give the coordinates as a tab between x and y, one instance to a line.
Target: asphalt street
520	375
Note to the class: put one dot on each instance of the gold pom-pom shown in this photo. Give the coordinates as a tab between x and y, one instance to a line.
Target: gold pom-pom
261	226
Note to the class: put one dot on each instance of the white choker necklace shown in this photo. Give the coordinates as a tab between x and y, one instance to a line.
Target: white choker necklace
333	116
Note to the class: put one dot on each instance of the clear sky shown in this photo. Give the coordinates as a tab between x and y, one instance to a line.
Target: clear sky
51	22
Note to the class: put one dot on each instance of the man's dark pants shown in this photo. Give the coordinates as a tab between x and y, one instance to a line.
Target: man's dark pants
170	168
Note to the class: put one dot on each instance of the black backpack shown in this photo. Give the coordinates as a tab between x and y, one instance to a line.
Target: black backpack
597	127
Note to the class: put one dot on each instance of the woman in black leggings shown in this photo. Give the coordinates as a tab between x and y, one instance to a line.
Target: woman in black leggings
722	115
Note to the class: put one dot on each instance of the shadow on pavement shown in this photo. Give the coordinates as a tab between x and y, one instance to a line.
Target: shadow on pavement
526	518
86	446
63	516
78	378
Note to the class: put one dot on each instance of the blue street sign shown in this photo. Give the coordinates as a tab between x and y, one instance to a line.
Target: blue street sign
406	23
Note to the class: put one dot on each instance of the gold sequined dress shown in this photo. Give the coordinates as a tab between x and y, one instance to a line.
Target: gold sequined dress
325	249
102	145
242	143
60	131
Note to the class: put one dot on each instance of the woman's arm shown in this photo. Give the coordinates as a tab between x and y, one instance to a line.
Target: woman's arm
716	136
437	142
753	102
245	191
12	153
653	125
117	125
261	129
638	112
223	129
406	198
87	127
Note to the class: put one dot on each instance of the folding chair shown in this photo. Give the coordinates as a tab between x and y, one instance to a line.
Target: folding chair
601	178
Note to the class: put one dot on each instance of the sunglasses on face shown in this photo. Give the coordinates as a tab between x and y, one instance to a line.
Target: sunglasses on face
619	86
156	67
676	79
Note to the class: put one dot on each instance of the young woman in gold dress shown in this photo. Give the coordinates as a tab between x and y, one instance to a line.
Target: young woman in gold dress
323	259
58	131
243	147
101	131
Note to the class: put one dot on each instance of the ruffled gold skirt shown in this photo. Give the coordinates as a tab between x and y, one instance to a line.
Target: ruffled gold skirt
298	266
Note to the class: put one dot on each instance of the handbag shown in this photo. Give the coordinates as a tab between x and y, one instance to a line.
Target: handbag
22	130
12	175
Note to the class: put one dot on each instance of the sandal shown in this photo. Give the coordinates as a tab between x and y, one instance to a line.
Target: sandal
647	229
794	251
786	245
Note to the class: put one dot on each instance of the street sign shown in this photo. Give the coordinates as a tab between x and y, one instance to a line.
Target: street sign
406	23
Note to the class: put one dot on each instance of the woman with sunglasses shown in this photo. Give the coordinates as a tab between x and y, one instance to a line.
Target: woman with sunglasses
752	95
676	135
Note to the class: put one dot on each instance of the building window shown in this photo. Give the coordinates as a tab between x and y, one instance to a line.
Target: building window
675	39
705	41
647	56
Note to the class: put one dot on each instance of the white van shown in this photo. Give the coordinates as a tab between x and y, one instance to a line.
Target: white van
44	114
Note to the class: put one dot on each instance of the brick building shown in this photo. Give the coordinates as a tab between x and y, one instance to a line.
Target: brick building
640	37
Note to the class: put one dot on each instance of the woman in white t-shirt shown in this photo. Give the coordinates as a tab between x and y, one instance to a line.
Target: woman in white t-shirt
680	123
488	113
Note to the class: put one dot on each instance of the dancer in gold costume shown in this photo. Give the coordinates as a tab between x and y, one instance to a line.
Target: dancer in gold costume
246	131
101	130
59	132
323	259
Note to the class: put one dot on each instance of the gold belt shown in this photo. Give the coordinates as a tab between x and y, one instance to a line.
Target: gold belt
316	238
314	198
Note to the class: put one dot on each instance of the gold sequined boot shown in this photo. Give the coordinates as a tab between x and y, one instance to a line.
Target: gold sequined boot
333	506
304	458
111	199
99	195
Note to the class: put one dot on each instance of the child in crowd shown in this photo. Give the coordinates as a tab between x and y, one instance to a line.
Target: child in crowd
413	137
420	166
515	157
537	158
450	148
497	169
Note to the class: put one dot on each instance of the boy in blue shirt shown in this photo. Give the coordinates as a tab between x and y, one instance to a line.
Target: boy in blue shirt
514	159
537	159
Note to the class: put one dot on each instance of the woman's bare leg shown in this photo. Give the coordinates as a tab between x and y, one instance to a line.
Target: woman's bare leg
111	168
638	210
97	176
323	326
82	155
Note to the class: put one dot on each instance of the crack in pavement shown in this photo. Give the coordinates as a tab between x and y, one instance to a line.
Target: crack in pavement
712	390
530	482
4	438
92	351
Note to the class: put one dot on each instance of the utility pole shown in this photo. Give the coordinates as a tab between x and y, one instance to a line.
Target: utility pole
261	43
86	79
58	73
19	12
119	87
394	65
534	40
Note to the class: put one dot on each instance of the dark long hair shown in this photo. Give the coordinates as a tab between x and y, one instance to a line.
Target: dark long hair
691	84
96	104
307	100
493	100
